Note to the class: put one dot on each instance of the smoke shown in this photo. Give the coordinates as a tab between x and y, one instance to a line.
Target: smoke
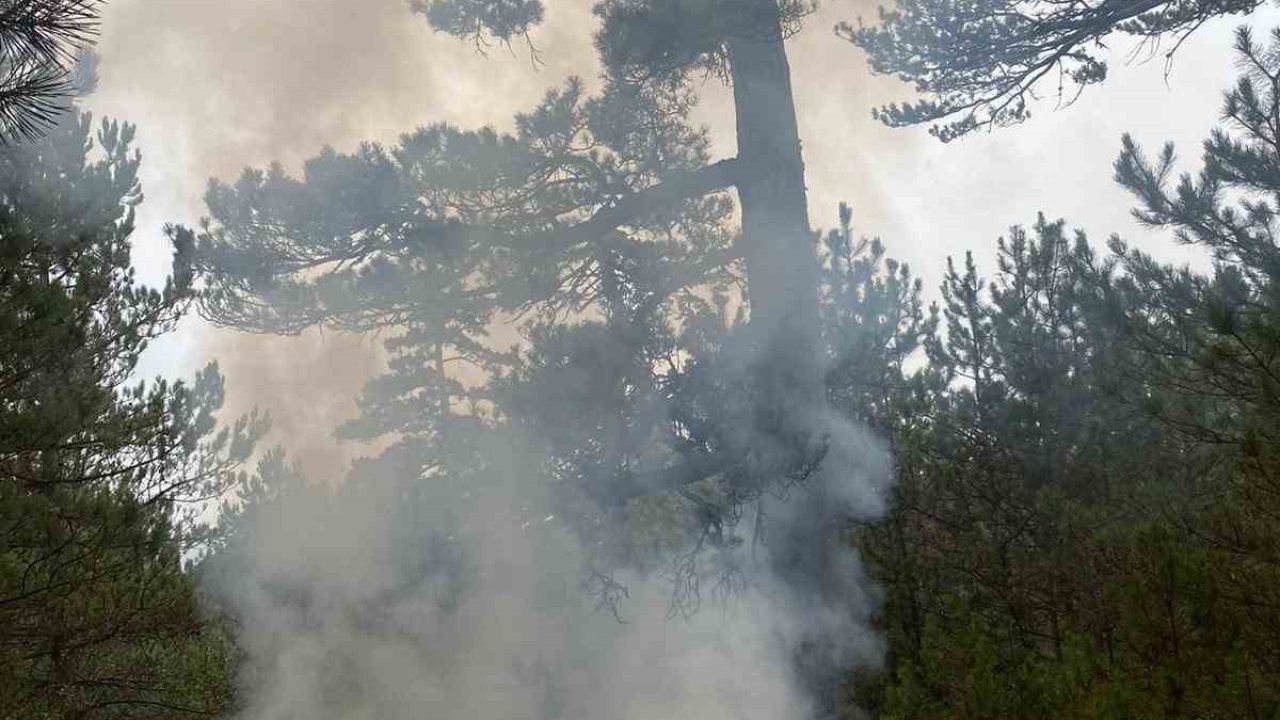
390	595
397	596
309	385
245	81
386	596
217	87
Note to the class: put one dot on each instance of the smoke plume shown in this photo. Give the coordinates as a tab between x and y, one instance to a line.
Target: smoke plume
394	596
391	596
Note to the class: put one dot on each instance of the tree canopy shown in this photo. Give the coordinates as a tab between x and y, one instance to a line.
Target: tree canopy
1052	430
980	64
1083	528
41	63
605	207
1061	476
101	477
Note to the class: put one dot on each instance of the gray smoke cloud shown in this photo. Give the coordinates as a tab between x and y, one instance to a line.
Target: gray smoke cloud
396	596
217	87
308	383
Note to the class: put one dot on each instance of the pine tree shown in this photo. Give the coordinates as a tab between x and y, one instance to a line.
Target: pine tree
603	224
101	478
1085	501
980	64
42	62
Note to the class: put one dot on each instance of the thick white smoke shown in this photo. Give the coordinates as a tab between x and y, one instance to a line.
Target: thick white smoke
403	597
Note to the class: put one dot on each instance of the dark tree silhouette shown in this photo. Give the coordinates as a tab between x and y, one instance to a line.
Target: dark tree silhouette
979	64
608	205
40	42
580	178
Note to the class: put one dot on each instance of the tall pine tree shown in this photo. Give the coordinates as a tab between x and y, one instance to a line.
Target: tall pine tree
101	477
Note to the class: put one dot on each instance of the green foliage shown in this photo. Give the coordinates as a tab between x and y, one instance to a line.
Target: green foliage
1085	445
100	479
645	40
39	44
1085	526
876	327
475	18
452	232
978	64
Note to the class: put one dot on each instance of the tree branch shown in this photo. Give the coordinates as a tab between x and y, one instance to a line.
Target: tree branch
684	186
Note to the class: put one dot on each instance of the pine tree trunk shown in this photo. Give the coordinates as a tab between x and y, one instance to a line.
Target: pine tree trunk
778	244
779	249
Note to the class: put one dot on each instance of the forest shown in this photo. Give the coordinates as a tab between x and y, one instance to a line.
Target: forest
649	438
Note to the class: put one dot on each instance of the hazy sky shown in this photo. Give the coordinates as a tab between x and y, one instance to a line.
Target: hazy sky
215	87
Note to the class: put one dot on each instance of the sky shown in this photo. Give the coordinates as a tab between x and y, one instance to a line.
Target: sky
216	87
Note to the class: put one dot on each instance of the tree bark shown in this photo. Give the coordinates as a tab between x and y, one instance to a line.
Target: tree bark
778	245
779	249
